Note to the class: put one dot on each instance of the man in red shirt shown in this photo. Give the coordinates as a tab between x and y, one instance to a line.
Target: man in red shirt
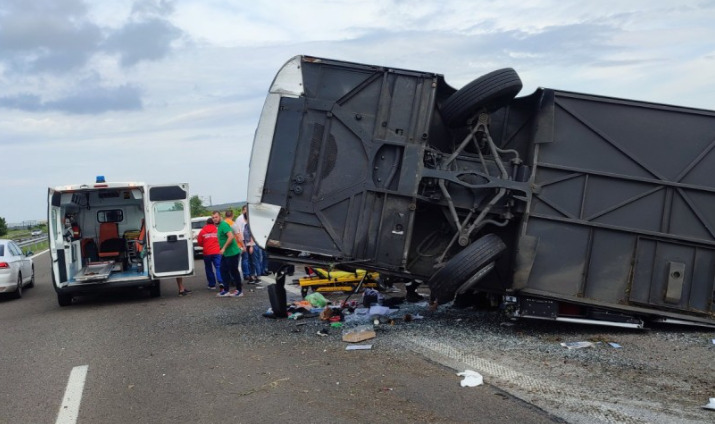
208	239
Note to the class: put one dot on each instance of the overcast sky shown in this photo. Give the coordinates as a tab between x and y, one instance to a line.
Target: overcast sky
168	91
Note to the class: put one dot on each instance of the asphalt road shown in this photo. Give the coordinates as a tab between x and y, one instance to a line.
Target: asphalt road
202	359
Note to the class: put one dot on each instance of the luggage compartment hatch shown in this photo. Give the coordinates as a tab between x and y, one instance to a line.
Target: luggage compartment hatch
673	275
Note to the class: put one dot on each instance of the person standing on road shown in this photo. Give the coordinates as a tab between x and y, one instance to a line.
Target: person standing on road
228	217
253	254
183	291
208	239
229	257
262	257
236	227
241	224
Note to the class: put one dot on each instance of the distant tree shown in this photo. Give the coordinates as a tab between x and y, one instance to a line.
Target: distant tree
3	227
197	206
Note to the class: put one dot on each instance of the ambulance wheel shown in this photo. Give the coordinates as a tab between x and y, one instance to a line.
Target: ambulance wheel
492	91
464	270
155	289
64	299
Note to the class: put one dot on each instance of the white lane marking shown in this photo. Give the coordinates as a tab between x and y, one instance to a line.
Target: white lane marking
69	410
38	254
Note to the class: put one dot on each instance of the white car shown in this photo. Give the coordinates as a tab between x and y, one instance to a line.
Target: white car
36	233
16	269
196	225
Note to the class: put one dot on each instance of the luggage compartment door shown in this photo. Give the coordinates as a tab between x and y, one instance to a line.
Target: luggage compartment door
168	224
674	275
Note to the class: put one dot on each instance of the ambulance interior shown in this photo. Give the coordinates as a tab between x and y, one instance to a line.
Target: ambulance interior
103	234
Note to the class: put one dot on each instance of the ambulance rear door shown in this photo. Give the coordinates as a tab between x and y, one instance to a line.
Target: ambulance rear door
168	224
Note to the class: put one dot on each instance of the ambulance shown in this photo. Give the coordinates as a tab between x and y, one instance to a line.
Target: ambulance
108	235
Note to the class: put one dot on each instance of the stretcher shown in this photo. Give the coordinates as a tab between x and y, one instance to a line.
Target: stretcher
95	271
323	280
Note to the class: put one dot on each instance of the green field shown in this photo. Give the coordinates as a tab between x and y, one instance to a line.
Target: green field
36	247
25	234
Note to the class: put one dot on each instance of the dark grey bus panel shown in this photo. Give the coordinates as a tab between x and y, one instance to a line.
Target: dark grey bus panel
558	197
623	206
344	161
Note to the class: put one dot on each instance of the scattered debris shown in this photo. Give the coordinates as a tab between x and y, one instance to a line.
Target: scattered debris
317	300
358	334
710	405
381	310
615	345
326	313
372	297
323	332
358	347
577	345
471	378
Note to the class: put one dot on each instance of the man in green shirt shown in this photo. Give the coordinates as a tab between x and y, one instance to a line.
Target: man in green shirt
230	254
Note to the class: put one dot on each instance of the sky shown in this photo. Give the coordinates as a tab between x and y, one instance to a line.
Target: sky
166	91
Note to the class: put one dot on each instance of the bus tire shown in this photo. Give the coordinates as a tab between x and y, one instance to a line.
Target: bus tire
492	91
464	270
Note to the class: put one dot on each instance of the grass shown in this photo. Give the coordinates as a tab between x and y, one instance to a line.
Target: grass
17	234
22	233
36	247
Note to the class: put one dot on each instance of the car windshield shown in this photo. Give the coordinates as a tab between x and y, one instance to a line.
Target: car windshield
2	250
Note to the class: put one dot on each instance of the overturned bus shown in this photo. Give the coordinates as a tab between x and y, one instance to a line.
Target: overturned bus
565	206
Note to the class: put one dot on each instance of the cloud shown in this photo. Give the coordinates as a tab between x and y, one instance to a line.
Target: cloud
46	36
92	101
142	9
51	47
59	36
26	101
146	40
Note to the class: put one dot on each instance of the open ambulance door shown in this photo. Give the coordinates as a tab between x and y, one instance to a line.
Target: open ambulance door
56	247
168	226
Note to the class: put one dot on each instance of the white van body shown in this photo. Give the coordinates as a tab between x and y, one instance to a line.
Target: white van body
197	224
151	239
